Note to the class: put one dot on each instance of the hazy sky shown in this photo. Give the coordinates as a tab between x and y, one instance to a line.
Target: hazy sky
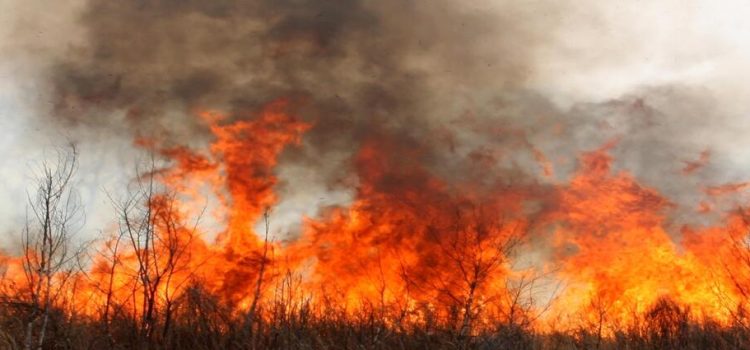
601	50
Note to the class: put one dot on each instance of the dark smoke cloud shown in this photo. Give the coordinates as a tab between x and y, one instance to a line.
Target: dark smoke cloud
415	70
384	62
446	77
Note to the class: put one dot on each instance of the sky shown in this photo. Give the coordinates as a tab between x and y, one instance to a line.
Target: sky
599	50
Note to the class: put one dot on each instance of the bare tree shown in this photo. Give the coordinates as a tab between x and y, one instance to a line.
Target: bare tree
110	255
526	298
159	241
473	249
55	214
264	261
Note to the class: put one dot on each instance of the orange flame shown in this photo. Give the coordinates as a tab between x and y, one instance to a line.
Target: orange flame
410	240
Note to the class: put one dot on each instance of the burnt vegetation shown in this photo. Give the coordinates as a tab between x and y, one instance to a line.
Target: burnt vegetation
163	305
422	112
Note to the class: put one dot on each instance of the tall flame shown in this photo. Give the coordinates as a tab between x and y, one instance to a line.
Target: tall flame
409	240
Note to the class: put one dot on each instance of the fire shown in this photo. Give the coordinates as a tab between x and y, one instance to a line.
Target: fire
239	170
617	253
411	243
407	239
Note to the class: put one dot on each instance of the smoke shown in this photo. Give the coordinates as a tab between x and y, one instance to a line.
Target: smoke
356	61
416	73
476	87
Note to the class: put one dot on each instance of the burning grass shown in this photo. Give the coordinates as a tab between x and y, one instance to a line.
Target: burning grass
414	261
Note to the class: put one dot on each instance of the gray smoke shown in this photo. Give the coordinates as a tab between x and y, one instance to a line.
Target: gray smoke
449	78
